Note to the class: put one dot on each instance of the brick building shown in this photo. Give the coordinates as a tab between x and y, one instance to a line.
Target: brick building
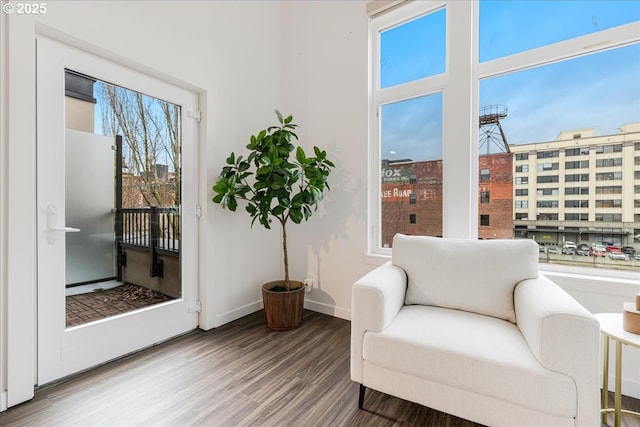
411	196
495	196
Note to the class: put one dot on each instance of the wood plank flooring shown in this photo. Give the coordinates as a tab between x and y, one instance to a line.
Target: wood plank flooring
241	374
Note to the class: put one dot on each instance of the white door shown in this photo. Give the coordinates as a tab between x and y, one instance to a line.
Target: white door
65	350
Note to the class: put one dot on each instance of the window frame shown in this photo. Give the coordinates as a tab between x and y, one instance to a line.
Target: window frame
459	86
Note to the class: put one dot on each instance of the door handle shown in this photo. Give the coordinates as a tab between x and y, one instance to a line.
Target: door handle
51	229
65	229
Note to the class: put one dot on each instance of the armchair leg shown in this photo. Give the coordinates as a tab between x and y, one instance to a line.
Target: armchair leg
361	396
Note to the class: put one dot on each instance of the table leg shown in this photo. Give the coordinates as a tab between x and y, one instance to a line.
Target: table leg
618	397
605	379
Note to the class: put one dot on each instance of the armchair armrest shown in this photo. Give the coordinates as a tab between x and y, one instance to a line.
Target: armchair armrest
564	337
376	298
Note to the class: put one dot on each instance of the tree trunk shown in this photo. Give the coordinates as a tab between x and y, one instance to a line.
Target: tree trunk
286	255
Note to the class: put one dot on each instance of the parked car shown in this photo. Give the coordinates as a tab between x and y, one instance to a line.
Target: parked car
582	249
569	248
618	256
597	250
629	250
553	250
613	249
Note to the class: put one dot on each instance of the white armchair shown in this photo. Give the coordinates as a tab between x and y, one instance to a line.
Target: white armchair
472	329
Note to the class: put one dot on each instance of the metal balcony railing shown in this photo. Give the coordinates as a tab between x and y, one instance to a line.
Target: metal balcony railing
153	229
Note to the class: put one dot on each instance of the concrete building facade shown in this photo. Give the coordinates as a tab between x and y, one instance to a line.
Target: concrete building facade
582	187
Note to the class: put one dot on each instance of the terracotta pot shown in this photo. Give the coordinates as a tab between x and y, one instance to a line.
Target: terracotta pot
283	310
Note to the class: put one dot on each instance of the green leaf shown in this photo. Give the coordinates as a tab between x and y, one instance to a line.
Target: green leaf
232	203
288	120
280	119
295	215
301	156
231	159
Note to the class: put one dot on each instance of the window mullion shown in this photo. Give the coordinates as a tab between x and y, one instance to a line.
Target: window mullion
460	156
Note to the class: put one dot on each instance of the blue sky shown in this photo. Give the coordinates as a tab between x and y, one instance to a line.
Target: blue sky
600	90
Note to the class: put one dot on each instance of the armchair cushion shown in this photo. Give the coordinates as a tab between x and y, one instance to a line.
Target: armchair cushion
471	275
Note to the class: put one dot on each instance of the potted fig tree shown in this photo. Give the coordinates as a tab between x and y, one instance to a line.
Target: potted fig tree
277	181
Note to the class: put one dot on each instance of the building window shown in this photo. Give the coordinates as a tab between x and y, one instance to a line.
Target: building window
413	198
485	175
581	164
613	148
548	154
547	192
547	217
522	192
612	203
603	163
522	204
484	220
576	203
522	216
547	178
613	189
522	179
547	204
576	190
576	177
412	218
547	166
608	217
576	217
636	160
579	151
484	197
522	168
608	176
522	156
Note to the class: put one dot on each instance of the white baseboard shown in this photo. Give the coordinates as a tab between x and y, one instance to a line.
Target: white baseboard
237	313
245	310
330	310
3	401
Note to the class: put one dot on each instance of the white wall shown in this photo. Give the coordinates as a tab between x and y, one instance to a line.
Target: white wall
325	63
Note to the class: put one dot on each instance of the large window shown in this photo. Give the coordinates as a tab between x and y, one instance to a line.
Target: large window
552	84
409	132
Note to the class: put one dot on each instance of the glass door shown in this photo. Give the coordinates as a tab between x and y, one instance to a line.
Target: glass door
116	258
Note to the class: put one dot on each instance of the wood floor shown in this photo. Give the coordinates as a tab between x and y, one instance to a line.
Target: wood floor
240	374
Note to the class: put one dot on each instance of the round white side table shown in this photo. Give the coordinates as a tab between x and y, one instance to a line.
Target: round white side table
611	328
